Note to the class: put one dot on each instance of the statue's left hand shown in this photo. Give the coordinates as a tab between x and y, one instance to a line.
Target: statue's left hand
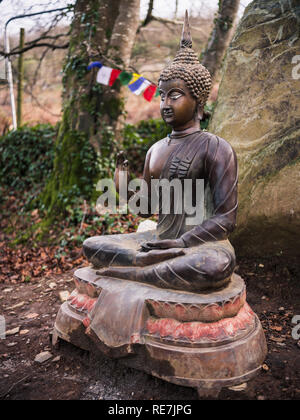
163	244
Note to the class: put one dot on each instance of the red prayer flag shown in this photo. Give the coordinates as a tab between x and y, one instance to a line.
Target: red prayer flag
114	75
149	92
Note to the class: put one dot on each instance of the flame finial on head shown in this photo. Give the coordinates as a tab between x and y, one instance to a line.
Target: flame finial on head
186	37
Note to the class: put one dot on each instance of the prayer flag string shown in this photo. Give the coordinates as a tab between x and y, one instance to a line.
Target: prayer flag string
135	82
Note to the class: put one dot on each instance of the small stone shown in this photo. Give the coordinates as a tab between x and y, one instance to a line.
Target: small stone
8	290
261	265
23	332
56	359
64	296
265	367
31	316
11	344
52	285
43	357
13	331
146	225
238	388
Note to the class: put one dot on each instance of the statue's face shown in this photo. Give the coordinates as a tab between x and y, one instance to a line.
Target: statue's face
178	107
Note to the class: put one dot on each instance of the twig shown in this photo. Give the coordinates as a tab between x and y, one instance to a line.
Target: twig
12	387
39	104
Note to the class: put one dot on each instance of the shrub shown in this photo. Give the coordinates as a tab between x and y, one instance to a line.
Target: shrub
26	156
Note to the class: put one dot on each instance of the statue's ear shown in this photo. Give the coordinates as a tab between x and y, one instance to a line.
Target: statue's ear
200	112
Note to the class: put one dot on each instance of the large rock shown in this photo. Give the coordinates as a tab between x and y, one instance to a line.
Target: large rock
258	112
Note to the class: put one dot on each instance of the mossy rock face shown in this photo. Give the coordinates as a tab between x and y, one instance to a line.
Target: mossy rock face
258	112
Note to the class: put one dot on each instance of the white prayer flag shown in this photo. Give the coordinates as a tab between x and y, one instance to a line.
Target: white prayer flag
103	75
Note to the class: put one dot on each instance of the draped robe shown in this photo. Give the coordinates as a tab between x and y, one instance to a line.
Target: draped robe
209	258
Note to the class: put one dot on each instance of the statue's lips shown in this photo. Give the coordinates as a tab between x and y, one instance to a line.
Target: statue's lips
168	114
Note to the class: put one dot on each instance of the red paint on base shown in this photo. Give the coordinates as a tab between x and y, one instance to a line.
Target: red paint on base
195	331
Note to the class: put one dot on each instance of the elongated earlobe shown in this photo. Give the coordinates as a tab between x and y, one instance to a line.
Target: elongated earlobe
200	112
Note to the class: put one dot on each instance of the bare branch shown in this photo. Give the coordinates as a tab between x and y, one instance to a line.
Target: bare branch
44	37
30	47
177	22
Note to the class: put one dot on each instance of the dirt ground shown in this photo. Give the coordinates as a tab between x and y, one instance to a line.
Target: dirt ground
273	289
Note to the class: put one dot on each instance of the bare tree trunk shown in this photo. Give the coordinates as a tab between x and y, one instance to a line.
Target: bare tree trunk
124	31
102	30
221	35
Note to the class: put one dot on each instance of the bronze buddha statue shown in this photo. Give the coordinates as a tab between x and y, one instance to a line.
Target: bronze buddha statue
177	255
166	300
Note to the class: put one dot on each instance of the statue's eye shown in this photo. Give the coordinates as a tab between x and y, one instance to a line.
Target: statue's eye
176	95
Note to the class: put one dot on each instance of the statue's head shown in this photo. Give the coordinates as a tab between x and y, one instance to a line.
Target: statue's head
184	85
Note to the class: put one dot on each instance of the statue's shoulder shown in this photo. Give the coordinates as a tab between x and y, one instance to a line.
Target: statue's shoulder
157	144
215	141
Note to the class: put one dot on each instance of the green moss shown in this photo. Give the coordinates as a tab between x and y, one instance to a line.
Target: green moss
74	172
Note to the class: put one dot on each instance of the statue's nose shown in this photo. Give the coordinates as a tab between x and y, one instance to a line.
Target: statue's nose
166	106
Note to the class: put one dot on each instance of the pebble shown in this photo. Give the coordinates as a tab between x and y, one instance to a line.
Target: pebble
31	316
64	296
52	285
13	331
23	332
43	357
11	344
146	225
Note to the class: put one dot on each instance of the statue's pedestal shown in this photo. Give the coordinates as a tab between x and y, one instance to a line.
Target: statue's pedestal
206	341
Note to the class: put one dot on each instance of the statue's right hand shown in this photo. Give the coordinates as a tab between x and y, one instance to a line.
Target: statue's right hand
156	256
121	174
122	163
